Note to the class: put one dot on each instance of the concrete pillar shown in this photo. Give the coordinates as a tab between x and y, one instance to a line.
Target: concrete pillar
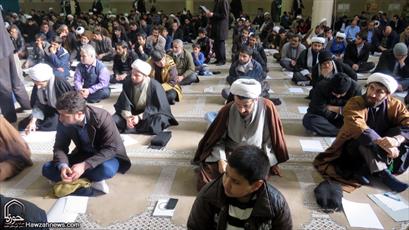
286	6
189	5
322	9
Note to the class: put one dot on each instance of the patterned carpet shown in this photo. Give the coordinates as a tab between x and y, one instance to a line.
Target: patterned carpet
168	173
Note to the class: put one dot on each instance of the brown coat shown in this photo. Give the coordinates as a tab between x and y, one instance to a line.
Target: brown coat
355	117
14	151
218	127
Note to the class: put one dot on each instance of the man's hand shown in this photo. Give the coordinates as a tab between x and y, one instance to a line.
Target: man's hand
402	61
78	170
53	50
387	142
179	78
275	170
335	109
99	56
31	127
293	62
66	174
131	121
120	77
209	14
60	69
84	93
222	166
355	67
141	49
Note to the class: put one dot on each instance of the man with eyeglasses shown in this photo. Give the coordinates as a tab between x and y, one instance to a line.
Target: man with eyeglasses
372	141
249	119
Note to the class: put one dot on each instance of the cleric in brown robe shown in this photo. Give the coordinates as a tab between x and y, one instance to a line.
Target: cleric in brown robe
14	151
372	141
249	119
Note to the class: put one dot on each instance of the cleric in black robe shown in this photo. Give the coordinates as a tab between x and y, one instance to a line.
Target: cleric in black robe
142	106
10	83
46	90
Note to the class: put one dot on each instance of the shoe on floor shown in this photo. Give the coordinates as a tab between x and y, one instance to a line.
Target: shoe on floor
100	186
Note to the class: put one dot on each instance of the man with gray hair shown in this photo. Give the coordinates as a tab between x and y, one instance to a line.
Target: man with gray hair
184	63
394	62
91	76
249	119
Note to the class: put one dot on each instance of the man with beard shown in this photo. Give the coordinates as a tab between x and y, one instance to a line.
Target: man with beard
307	59
249	119
241	198
290	52
373	139
47	89
184	64
142	106
99	153
123	60
156	40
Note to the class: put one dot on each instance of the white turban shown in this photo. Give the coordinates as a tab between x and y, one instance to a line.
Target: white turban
142	67
249	88
389	82
340	35
318	39
41	72
80	30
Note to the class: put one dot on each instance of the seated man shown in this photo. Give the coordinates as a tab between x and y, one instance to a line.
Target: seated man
37	54
47	89
99	153
307	59
142	48
164	71
14	151
184	64
395	63
246	67
290	52
247	120
58	58
240	195
337	46
103	46
373	139
328	67
123	60
155	40
385	39
142	106
357	54
91	77
325	111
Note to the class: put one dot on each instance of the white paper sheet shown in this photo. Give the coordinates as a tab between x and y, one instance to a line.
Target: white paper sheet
311	146
128	139
208	90
76	204
115	88
160	209
360	215
268	77
288	74
57	214
302	109
39	137
400	94
296	90
391	203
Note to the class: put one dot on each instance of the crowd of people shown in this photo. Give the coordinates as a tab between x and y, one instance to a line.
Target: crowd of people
245	142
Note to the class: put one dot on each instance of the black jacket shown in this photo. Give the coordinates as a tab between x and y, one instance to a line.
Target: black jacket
387	63
340	67
392	39
351	54
157	114
124	67
220	20
270	209
322	96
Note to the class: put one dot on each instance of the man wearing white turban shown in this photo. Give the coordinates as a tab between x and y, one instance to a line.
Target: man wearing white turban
249	119
373	139
47	89
142	106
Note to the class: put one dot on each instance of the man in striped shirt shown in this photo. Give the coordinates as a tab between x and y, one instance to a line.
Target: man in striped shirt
241	198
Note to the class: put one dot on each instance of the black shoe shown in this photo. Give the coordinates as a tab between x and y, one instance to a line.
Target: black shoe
390	180
216	72
275	100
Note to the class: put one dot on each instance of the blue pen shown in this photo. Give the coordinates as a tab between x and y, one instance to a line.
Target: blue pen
392	196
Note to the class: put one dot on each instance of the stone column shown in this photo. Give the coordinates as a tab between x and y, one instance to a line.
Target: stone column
189	5
322	9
